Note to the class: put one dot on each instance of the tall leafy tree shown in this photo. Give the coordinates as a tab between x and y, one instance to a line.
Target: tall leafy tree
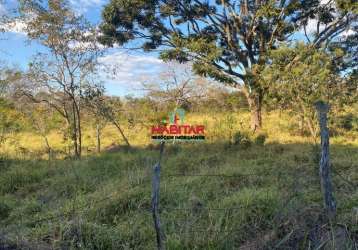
227	40
298	85
332	25
323	67
60	76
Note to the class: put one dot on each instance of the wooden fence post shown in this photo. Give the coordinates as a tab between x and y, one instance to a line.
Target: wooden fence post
324	165
155	200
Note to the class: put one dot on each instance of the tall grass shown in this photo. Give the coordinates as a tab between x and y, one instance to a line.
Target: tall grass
214	194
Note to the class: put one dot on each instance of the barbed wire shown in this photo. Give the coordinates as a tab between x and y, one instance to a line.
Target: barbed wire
93	202
211	175
194	209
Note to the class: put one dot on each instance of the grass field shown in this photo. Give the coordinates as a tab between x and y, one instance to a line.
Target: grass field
214	194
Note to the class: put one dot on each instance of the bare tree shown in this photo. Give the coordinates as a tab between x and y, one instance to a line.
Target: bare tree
178	86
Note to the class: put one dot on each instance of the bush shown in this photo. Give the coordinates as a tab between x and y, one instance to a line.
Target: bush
347	122
242	139
260	139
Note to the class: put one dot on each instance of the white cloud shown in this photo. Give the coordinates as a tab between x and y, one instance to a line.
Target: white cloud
347	33
87	45
130	70
311	26
17	26
82	6
325	1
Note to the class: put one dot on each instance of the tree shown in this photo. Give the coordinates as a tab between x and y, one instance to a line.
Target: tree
59	77
332	25
178	87
304	82
9	116
225	39
317	76
323	66
102	107
42	120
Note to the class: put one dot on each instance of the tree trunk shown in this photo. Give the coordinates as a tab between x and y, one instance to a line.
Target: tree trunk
49	150
74	140
254	99
98	135
301	121
306	114
122	133
255	104
79	131
311	128
74	130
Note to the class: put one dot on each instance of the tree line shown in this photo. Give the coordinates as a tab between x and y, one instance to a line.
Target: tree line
239	54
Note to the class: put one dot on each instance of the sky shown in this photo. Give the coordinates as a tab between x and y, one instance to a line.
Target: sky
124	70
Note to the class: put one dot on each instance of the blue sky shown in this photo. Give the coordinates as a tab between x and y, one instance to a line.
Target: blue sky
130	68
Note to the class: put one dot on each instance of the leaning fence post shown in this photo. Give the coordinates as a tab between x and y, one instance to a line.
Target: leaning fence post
155	200
324	165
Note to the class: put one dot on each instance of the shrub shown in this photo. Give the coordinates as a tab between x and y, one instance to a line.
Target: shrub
346	121
260	139
242	139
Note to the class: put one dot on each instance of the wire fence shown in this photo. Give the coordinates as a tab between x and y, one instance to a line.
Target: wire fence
181	225
168	209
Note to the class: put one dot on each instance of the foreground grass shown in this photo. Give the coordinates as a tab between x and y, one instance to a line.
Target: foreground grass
214	195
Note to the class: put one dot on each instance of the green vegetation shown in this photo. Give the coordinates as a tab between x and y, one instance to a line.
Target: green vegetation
76	162
265	194
233	41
